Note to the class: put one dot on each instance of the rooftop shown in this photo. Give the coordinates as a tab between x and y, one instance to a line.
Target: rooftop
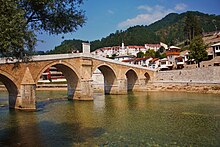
217	44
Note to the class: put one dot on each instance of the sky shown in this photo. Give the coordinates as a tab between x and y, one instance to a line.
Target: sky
106	16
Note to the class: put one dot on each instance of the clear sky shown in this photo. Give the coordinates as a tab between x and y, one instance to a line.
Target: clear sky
107	16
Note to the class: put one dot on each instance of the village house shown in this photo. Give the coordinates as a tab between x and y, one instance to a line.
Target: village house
164	64
139	61
154	63
106	51
154	47
174	58
216	49
133	50
125	57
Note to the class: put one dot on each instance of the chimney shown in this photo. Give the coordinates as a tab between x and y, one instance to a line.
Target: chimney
86	48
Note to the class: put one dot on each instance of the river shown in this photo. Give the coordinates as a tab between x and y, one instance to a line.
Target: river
136	119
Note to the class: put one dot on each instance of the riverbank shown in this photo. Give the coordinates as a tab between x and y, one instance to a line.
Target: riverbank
184	87
178	87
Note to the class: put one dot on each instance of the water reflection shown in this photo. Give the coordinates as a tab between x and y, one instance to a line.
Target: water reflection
20	129
136	119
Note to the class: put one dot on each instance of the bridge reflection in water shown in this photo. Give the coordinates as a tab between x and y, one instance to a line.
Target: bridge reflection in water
138	119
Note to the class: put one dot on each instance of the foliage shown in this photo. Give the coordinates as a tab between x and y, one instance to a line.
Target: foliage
198	50
192	27
162	49
19	19
14	34
150	53
68	46
137	35
153	54
53	16
140	54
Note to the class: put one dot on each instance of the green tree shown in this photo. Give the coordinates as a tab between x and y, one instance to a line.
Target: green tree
19	19
53	16
198	50
14	34
157	54
140	54
162	49
192	27
150	53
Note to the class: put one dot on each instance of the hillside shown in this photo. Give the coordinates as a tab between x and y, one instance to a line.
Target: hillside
169	30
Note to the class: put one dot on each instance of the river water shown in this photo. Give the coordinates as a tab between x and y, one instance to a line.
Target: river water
136	119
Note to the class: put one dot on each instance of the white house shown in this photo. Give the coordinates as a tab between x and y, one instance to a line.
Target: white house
154	47
107	51
164	64
172	53
216	49
133	50
154	63
143	61
122	58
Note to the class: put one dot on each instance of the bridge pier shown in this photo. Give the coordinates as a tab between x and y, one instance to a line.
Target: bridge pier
26	93
85	91
119	87
26	99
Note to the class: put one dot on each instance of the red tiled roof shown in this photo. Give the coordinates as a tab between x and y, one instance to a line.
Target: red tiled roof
153	60
153	45
140	59
172	53
128	60
135	47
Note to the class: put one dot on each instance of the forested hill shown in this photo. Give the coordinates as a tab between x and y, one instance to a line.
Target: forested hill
169	30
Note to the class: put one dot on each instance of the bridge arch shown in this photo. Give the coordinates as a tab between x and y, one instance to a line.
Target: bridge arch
109	77
132	79
11	87
69	73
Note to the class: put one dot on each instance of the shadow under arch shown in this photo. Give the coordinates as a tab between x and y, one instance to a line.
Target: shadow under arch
132	79
70	75
147	78
109	77
12	90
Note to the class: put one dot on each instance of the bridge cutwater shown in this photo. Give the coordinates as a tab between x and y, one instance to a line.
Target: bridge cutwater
20	78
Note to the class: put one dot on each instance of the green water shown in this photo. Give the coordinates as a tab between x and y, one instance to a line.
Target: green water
138	119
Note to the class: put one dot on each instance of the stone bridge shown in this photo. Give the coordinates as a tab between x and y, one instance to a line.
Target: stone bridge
21	78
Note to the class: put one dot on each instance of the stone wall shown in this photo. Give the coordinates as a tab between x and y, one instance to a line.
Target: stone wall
205	75
205	79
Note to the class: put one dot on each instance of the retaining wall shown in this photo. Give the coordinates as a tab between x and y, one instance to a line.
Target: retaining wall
205	79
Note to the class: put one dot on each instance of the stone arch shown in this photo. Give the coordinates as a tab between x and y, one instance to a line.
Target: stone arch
69	73
109	77
11	87
132	79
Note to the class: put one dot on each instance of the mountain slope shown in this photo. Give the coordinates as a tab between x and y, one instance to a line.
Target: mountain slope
169	30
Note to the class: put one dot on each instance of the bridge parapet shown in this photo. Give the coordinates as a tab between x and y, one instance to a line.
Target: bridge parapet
73	55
